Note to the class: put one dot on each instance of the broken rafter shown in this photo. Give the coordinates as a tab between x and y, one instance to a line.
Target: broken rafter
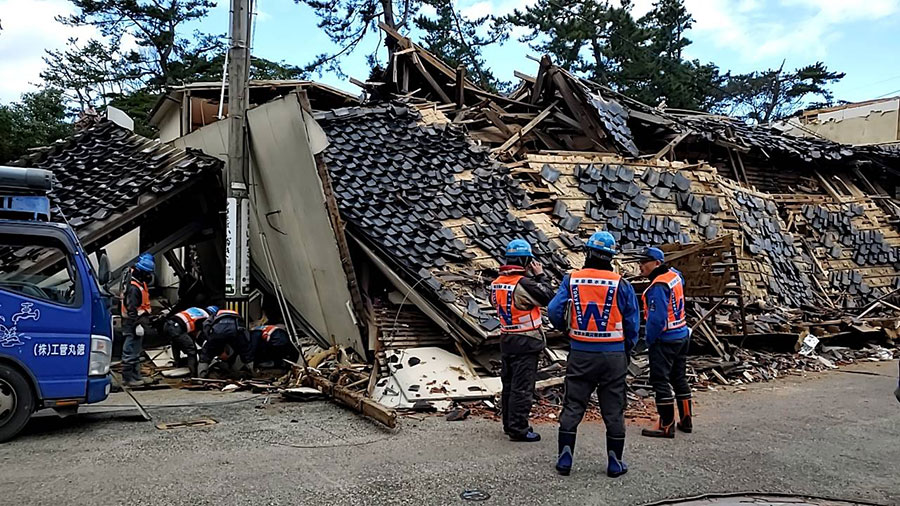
525	129
540	80
671	145
587	122
427	75
460	86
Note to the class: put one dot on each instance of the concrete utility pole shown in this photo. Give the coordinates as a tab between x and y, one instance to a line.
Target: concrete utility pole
237	233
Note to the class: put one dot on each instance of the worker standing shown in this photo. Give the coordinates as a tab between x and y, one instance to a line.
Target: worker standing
602	323
184	330
135	315
668	339
518	294
226	328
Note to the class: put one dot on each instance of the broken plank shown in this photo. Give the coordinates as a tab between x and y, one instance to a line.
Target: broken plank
527	128
427	75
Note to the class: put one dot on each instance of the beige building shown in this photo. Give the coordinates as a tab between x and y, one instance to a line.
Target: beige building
874	122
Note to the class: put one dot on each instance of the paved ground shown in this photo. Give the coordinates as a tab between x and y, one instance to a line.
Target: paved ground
832	434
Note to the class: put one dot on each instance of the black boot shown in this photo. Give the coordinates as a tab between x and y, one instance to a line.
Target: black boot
615	447
685	414
666	427
566	452
192	365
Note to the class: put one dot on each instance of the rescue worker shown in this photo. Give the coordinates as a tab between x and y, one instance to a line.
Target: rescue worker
599	310
518	294
135	315
668	338
184	330
272	345
225	328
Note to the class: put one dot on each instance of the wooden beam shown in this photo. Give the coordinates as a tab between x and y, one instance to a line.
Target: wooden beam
540	80
525	77
587	122
494	118
460	86
674	142
434	85
525	129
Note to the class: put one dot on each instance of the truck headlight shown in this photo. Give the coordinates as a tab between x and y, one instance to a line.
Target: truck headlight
101	355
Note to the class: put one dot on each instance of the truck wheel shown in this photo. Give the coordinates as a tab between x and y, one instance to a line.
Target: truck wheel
16	402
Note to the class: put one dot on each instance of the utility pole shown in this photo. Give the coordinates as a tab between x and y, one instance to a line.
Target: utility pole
237	222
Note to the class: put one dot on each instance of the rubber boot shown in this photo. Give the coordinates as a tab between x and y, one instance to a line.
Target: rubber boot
615	447
566	452
203	370
685	415
666	426
529	437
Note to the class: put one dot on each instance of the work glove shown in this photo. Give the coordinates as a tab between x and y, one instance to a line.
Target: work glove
139	331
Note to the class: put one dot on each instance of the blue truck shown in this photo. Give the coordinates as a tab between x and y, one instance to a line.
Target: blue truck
55	324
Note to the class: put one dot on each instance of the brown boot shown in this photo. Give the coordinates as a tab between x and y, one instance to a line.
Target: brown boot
666	426
685	415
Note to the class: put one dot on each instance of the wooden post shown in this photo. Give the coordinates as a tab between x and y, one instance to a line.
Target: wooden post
460	86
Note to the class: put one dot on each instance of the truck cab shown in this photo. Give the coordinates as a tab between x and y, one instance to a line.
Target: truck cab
55	326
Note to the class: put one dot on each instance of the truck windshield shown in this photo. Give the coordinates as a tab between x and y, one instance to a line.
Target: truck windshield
39	267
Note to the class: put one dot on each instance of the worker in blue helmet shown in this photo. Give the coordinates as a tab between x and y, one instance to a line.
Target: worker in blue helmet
668	339
185	332
226	328
135	312
518	294
598	310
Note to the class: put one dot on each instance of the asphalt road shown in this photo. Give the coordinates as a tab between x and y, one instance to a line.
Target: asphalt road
833	434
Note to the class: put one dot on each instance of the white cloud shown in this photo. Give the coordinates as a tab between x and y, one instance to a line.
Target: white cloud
29	28
760	29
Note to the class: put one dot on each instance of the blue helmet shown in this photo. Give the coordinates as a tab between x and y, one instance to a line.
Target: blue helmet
603	242
518	248
653	254
212	310
145	263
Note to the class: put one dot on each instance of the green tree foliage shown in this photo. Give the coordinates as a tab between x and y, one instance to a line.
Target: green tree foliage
37	120
774	94
459	41
347	22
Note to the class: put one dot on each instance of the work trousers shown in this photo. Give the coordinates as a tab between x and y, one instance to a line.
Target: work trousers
601	371
518	374
182	342
668	363
228	332
132	349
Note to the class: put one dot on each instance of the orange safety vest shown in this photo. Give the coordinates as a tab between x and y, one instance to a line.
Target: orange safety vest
512	319
144	308
191	318
675	307
227	312
267	331
594	315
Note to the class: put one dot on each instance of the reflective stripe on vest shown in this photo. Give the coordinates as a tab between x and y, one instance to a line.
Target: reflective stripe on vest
191	317
675	307
266	331
144	308
224	313
512	319
594	315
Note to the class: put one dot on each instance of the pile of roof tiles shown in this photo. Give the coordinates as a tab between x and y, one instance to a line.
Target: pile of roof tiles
713	128
104	169
766	239
614	119
838	231
618	200
397	180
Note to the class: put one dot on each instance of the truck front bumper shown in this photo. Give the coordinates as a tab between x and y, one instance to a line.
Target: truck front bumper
98	388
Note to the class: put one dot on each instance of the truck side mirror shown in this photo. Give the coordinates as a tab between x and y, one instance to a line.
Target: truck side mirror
102	267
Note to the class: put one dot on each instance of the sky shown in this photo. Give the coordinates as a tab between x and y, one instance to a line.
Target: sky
859	37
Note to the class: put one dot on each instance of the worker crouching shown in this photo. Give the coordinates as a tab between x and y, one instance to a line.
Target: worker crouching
668	339
599	310
226	328
185	331
518	294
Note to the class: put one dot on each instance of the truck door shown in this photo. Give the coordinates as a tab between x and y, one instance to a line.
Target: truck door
45	318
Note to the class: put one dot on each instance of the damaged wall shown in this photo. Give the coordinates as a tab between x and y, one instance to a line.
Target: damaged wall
288	208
